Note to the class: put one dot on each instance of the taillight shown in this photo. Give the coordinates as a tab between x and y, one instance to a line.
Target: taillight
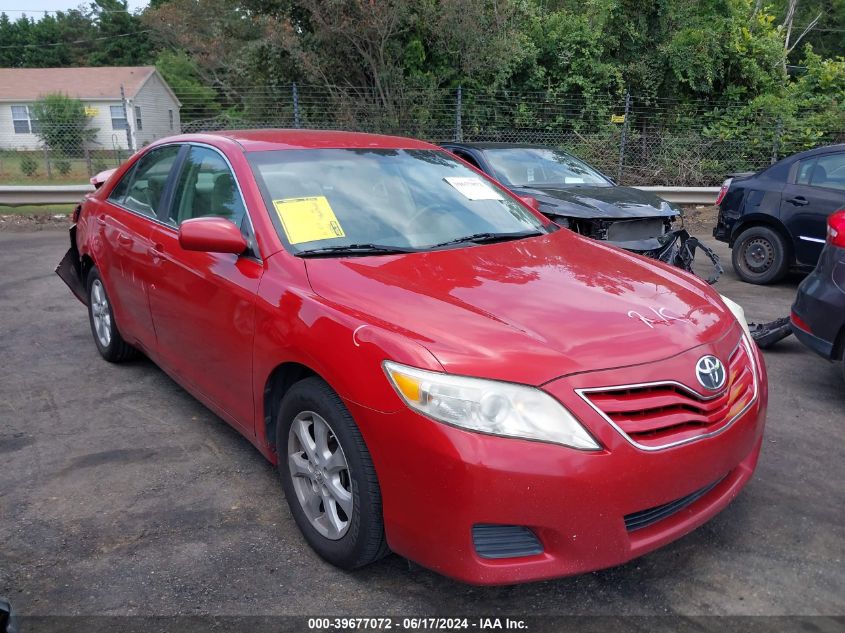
798	322
836	228
724	190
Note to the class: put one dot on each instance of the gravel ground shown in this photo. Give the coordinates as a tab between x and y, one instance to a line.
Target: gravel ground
120	494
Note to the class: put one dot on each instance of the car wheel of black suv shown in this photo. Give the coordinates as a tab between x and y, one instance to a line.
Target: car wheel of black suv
107	338
760	255
329	479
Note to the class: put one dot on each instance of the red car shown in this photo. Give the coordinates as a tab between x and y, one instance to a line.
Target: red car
435	367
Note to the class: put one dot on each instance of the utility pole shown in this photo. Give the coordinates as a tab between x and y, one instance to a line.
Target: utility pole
129	143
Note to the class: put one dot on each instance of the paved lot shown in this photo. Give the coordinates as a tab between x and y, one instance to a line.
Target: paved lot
121	494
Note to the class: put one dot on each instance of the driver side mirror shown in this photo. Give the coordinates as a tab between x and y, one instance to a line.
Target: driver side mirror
531	201
211	235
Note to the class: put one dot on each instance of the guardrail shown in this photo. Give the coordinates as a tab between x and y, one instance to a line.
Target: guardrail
685	195
31	195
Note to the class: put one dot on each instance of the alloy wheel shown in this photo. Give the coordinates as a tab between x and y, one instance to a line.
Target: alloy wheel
100	313
320	475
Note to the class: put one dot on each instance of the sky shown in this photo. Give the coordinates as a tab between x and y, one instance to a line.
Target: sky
35	8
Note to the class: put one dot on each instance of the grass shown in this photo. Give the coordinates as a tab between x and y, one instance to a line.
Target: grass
50	209
11	173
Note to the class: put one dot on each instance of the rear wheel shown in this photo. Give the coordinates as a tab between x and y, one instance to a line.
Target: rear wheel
328	476
107	338
760	255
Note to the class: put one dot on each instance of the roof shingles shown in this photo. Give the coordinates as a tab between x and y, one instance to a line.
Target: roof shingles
28	84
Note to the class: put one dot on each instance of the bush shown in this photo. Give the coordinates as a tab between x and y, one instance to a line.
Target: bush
98	165
62	166
63	124
29	166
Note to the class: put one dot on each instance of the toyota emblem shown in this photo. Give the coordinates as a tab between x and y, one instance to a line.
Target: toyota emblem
710	373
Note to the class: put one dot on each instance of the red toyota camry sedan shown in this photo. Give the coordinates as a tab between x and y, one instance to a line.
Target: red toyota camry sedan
435	368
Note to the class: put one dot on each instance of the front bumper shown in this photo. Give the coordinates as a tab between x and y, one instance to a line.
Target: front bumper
438	482
676	248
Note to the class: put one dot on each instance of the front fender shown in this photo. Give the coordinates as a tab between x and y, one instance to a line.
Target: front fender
295	325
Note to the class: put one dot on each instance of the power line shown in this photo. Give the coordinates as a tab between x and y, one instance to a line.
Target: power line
47	12
73	42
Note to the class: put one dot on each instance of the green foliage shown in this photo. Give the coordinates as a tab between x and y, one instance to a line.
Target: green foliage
29	166
62	166
62	124
101	33
183	77
708	79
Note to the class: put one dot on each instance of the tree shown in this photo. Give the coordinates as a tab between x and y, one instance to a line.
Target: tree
103	34
62	124
182	75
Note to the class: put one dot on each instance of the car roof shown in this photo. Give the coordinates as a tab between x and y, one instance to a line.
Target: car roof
838	147
281	139
491	145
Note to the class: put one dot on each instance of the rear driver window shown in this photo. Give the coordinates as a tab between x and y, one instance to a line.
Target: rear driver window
141	189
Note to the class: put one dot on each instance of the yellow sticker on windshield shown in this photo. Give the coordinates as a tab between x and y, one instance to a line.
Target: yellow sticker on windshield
308	219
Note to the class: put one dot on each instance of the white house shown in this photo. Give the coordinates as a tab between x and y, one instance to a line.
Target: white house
147	110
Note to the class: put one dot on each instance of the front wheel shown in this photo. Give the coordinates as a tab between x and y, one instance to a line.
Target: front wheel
109	342
760	255
328	476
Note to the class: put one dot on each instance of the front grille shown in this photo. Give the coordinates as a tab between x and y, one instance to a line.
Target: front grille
662	414
644	518
505	541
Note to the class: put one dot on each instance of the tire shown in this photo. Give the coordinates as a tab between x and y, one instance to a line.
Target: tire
336	503
107	337
760	255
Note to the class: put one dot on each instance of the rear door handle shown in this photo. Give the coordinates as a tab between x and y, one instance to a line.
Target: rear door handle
798	201
101	220
124	239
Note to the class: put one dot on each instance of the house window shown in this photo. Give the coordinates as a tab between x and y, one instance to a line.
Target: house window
23	120
138	125
118	118
170	118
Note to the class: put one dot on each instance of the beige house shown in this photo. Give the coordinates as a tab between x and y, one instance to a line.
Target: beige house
147	109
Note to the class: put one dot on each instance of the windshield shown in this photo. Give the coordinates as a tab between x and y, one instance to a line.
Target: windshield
359	201
537	167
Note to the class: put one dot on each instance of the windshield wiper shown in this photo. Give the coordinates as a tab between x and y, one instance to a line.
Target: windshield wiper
488	238
356	249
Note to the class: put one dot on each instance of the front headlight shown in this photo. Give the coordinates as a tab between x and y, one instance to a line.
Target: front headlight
739	313
488	406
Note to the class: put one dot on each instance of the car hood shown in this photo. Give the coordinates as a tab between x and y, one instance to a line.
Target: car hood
529	310
598	202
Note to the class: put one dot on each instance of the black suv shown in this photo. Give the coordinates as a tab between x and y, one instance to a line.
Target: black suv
775	219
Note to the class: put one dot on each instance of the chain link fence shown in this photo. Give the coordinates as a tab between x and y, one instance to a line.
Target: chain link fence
635	140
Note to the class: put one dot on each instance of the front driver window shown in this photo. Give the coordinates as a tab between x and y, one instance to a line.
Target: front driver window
207	187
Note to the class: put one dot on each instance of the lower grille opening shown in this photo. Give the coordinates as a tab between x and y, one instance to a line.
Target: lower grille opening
505	541
644	518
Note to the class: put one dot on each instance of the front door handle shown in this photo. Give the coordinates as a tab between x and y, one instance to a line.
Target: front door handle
156	251
798	201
